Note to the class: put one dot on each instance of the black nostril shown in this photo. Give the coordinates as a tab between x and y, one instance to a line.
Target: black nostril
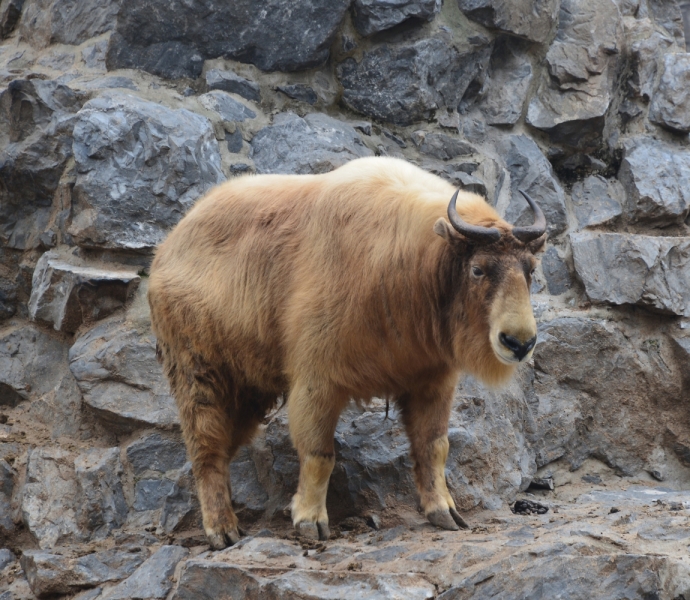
519	349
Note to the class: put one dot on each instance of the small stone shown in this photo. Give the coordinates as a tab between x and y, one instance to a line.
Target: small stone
614	510
94	56
217	79
597	201
300	92
442	146
181	506
6	557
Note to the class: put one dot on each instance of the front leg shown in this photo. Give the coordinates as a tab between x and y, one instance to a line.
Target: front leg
425	415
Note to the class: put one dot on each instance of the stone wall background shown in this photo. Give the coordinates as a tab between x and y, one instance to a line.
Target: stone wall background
116	115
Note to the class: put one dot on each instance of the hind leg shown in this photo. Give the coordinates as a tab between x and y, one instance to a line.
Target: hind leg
313	415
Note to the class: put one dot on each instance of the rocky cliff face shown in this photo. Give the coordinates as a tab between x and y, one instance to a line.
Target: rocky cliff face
116	115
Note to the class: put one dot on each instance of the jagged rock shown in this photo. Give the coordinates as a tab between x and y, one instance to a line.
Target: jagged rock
149	494
101	505
555	271
647	50
441	146
36	122
204	579
10	11
51	574
572	103
47	22
49	498
66	295
300	92
152	579
181	507
523	19
509	78
671	102
655	176
596	201
316	143
587	368
217	79
117	371
140	166
94	56
7	477
555	572
226	106
6	558
372	16
31	363
406	82
176	42
619	268
248	495
669	16
531	172
156	453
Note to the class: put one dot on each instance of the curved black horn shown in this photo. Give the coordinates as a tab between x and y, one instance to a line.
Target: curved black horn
527	234
481	235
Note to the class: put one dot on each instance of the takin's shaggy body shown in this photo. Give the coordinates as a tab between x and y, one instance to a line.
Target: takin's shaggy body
323	288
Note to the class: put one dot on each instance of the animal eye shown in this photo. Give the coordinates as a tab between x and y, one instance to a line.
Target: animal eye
477	272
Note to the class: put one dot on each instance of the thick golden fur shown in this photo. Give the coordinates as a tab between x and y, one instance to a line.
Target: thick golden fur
323	288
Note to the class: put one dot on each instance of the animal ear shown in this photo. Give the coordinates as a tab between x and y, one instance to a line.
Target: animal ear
446	231
537	245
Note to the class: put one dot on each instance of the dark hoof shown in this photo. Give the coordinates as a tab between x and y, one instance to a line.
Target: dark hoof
442	519
313	531
219	541
458	519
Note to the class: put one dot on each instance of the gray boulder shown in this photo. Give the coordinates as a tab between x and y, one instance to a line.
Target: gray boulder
140	166
36	122
407	82
153	579
181	509
10	12
509	78
441	145
31	363
372	16
300	92
531	172
226	107
217	79
648	47
596	201
120	378
101	506
572	102
47	22
619	268
522	19
316	143
555	271
586	369
656	178
66	295
559	573
7	478
149	494
50	574
671	101
49	498
156	453
177	41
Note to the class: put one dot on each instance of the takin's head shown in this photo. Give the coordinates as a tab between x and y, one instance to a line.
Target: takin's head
493	266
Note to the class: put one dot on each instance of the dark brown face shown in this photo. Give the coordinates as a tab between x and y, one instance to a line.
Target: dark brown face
499	278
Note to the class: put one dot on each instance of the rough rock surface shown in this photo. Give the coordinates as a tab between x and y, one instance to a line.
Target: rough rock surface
644	270
116	116
407	82
314	144
175	43
572	101
125	194
372	16
533	21
66	295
